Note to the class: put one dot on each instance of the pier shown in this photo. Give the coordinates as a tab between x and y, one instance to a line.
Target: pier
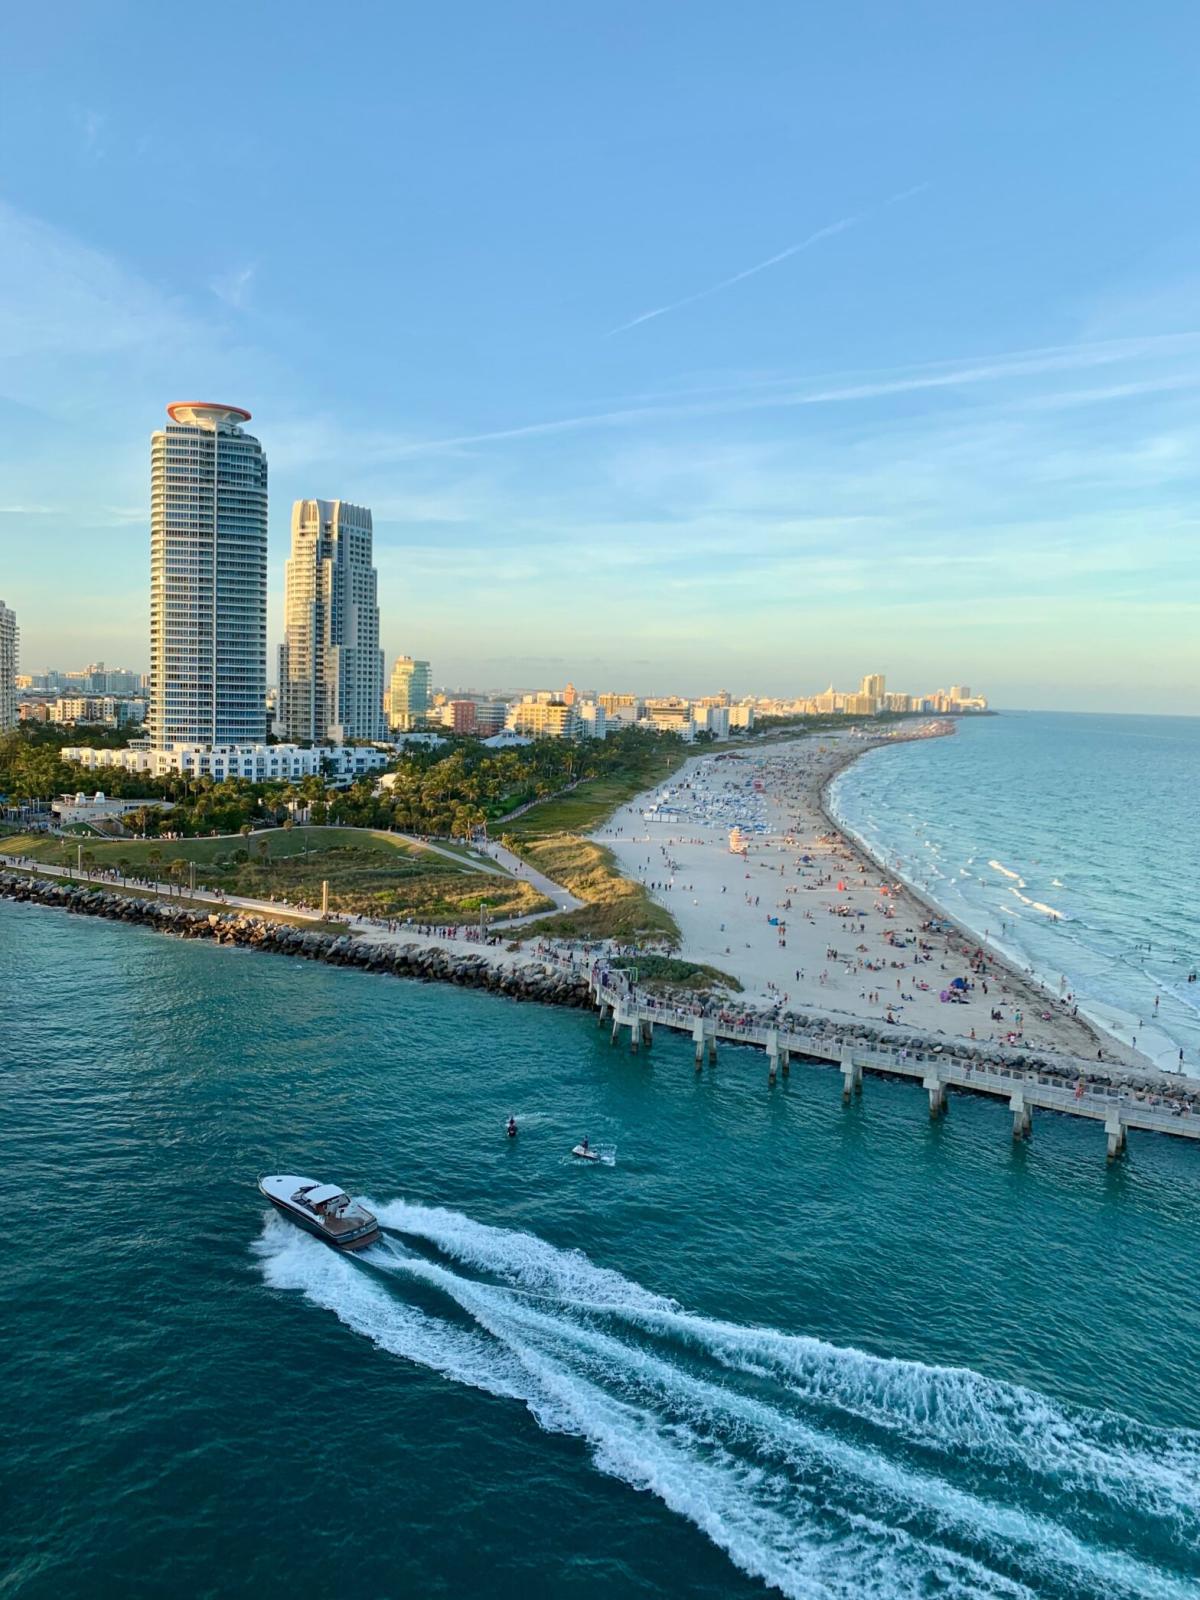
938	1068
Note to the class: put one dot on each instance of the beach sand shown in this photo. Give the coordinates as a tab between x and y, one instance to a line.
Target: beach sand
848	941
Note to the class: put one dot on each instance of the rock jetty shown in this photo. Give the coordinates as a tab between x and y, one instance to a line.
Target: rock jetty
530	980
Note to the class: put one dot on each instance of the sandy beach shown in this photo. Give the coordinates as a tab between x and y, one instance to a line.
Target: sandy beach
803	917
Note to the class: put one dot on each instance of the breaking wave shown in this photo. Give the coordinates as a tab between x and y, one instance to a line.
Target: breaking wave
826	1472
1008	873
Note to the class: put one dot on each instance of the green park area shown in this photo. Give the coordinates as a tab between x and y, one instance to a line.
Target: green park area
551	837
369	872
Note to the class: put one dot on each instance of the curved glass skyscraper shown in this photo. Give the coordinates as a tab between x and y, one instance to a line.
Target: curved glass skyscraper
208	579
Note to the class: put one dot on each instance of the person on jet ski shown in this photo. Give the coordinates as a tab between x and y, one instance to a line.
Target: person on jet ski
512	1127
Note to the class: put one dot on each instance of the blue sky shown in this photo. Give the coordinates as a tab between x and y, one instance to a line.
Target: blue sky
672	345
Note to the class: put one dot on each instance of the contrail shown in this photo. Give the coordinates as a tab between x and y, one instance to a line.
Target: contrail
792	250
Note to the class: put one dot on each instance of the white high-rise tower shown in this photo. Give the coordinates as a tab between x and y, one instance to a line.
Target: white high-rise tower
208	579
330	663
8	668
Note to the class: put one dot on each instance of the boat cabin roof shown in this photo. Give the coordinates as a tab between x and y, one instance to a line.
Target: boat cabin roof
321	1192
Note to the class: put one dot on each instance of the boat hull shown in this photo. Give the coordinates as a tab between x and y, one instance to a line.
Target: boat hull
367	1235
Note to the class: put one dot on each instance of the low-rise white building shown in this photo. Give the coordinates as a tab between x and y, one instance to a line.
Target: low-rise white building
260	763
99	807
711	719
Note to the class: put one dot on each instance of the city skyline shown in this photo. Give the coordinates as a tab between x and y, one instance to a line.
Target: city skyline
718	389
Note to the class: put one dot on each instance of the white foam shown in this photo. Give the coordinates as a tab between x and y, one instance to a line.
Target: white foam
767	1473
1008	873
948	1408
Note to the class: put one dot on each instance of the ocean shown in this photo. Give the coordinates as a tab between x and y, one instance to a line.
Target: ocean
1071	841
840	1352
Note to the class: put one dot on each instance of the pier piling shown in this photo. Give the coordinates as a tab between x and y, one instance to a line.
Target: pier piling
1024	1087
1022	1117
1115	1129
937	1095
851	1077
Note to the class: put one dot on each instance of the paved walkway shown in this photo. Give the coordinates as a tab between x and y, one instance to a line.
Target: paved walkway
400	934
563	899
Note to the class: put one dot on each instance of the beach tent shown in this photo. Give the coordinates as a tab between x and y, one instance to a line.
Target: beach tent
958	983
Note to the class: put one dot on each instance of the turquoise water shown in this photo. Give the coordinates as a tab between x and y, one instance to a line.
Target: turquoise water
842	1351
1072	840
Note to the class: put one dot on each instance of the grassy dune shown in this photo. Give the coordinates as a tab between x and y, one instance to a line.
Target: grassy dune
368	872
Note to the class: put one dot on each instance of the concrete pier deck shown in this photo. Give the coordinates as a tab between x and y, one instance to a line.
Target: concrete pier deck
938	1069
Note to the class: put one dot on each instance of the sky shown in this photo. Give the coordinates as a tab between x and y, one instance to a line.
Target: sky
673	346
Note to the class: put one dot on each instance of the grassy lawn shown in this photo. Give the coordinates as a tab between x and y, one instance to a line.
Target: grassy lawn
368	872
595	799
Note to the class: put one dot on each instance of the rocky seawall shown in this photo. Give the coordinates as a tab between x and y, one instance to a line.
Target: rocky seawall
531	980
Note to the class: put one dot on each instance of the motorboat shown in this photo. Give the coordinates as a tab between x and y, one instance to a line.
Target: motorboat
322	1209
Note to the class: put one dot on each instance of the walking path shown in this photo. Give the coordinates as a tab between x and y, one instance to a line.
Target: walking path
385	930
563	899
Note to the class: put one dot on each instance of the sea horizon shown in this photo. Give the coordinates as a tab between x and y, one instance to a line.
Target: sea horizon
1036	801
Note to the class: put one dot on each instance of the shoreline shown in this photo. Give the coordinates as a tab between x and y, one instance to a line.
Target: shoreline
492	968
1105	1036
909	957
552	977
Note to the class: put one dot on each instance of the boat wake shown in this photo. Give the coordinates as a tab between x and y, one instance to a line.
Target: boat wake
823	1471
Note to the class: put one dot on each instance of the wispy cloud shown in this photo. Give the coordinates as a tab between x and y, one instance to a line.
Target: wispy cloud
234	286
784	393
827	232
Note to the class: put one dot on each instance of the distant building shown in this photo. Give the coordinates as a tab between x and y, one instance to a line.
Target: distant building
622	709
874	686
711	718
742	717
409	694
330	663
259	763
490	717
9	646
544	718
98	710
593	719
208	579
671	715
463	717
